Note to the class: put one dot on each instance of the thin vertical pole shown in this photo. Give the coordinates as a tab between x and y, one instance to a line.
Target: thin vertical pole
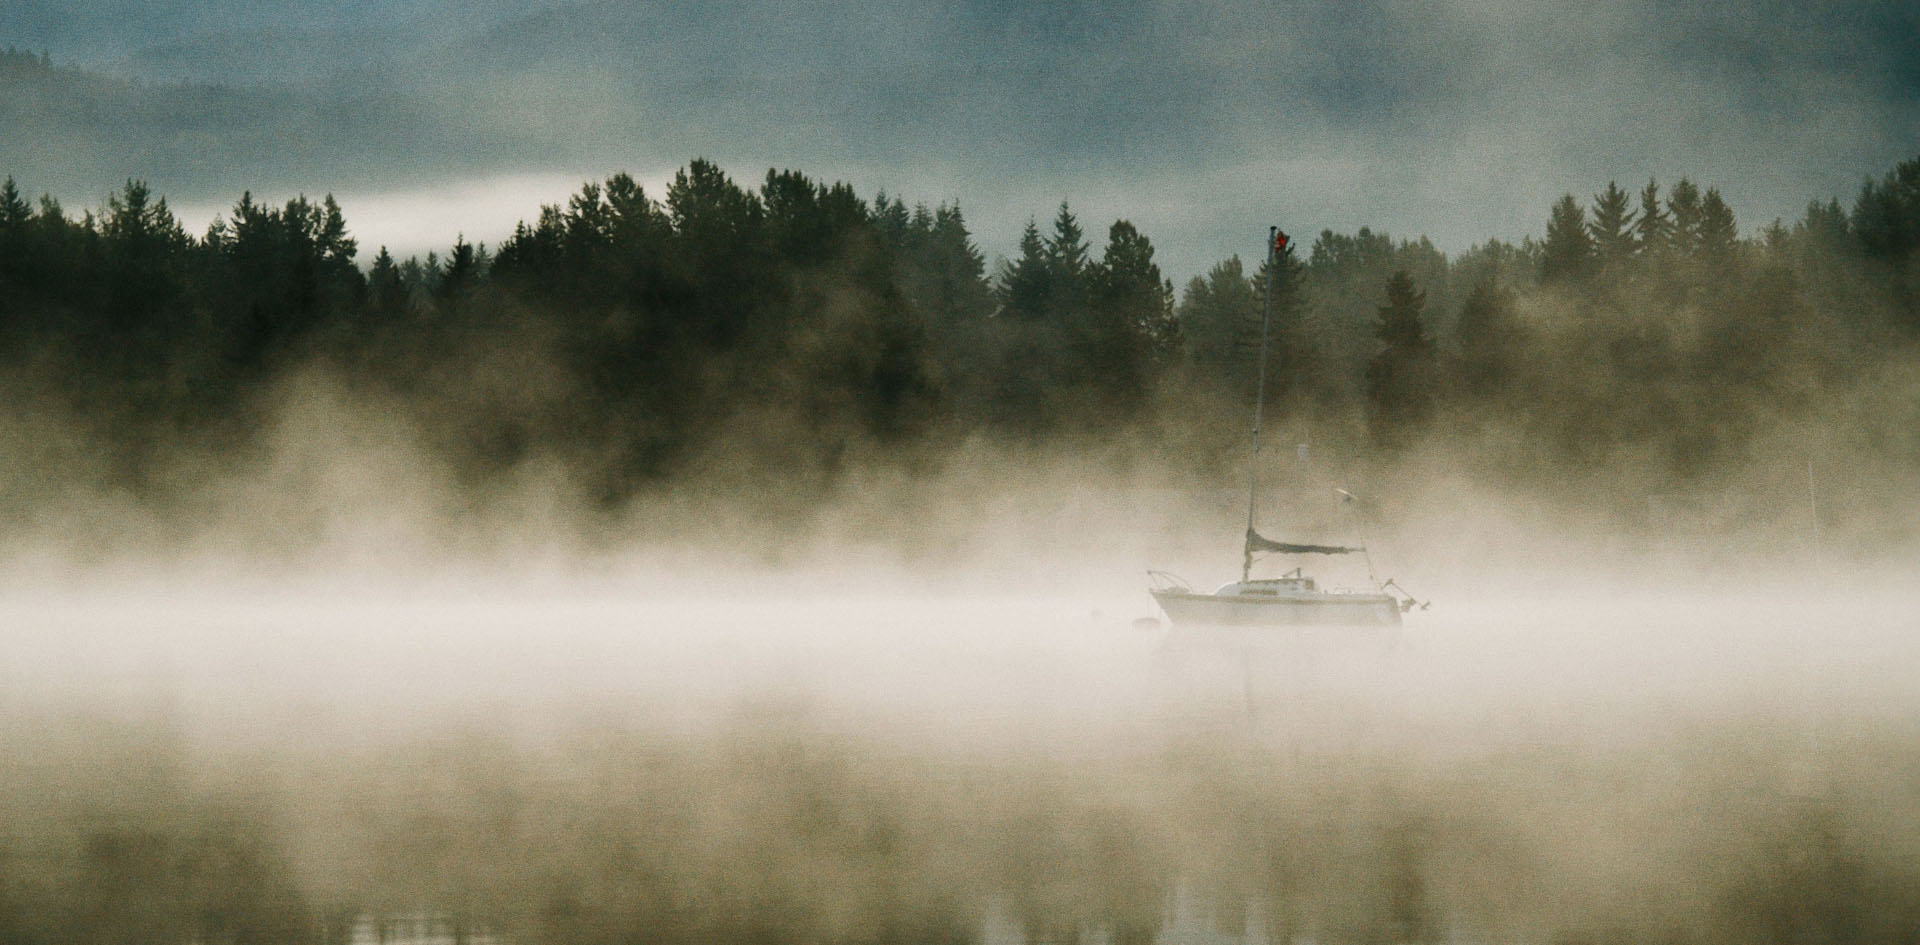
1813	510
1259	402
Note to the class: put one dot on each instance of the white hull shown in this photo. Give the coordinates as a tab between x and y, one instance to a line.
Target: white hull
1186	608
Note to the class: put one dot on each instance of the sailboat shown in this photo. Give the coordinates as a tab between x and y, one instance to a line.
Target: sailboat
1293	599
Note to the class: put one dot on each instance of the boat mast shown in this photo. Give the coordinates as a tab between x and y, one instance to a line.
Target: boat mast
1259	401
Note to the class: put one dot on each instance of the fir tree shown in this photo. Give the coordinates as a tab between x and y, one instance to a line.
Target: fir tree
1718	233
1292	362
1825	226
719	260
1026	284
891	216
809	223
1218	314
141	222
1886	215
711	215
14	209
464	267
958	289
144	269
589	221
330	234
1131	319
1612	226
386	289
16	244
1400	381
1569	249
1886	225
1490	340
636	224
1653	231
1069	287
1684	203
1067	247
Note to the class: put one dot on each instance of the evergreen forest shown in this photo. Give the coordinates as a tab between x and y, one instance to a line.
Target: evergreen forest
779	338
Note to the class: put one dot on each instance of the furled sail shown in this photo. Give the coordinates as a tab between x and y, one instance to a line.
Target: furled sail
1258	542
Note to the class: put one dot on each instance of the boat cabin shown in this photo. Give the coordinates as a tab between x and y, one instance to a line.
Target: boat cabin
1293	582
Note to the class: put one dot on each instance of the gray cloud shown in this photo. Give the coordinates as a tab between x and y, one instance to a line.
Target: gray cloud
1198	121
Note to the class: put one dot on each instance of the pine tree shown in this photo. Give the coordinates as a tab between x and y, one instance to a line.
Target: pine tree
1067	248
1399	326
892	218
145	278
1886	225
1718	232
1292	362
1886	215
1569	249
1653	232
1044	354
1490	338
717	224
141	222
289	271
1026	284
1826	226
462	272
331	239
1069	288
637	225
1612	226
1131	319
16	217
1684	203
1218	315
17	264
14	210
588	223
1400	378
387	290
719	260
959	291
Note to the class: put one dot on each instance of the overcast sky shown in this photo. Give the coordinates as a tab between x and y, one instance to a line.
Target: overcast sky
1202	122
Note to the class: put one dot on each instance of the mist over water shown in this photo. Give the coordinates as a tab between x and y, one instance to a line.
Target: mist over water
805	755
697	556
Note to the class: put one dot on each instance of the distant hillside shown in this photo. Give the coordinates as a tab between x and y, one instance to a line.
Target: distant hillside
275	55
617	81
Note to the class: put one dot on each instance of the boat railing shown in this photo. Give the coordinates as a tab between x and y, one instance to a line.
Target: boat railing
1404	596
1168	581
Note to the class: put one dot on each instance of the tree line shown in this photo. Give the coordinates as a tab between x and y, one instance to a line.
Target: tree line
804	331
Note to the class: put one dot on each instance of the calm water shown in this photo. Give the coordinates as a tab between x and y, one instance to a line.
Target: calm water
226	765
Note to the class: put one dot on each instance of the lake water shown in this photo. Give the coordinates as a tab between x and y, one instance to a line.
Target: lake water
813	764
